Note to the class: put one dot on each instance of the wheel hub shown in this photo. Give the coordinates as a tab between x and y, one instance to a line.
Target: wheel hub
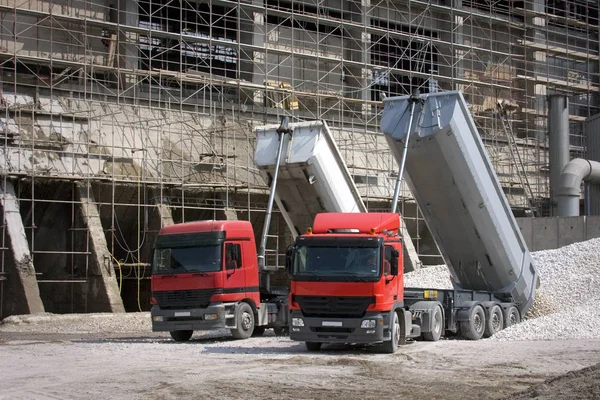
246	321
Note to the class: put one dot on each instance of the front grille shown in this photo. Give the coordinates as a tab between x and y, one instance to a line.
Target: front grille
334	306
331	329
199	298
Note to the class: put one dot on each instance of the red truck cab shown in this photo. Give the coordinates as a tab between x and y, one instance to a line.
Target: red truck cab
205	276
347	281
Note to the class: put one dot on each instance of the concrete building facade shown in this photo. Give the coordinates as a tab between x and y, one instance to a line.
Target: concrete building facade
120	116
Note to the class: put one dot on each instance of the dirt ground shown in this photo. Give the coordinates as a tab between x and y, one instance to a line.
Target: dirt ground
151	366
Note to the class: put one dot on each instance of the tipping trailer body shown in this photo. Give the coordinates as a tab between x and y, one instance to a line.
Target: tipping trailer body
313	177
451	177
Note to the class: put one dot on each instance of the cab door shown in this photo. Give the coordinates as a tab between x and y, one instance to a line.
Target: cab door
393	284
235	273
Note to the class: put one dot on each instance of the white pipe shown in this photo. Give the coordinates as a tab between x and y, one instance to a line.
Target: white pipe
569	184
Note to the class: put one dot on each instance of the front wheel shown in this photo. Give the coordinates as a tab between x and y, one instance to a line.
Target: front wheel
390	346
244	322
181	336
438	326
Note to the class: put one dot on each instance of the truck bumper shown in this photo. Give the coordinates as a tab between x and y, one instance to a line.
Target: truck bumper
340	330
188	319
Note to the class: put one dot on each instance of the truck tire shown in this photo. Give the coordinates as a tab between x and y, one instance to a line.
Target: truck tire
258	331
244	322
313	346
390	346
438	325
181	336
494	322
473	328
512	316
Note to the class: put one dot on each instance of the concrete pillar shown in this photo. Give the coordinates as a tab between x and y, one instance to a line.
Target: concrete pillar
22	294
358	50
103	289
127	15
452	31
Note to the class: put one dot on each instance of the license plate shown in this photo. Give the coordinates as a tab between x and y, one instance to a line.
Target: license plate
183	314
331	323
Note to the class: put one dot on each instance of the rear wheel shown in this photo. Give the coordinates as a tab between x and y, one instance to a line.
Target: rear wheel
181	336
495	321
512	316
244	322
313	346
390	346
473	328
438	326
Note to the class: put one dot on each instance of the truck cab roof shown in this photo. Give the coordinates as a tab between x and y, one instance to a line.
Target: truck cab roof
363	223
232	229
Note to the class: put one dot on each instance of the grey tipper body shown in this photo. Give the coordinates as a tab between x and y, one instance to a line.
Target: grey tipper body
449	173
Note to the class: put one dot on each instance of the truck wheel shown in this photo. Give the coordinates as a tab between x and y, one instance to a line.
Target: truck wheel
258	331
438	326
495	322
473	328
390	346
512	316
244	322
313	346
181	336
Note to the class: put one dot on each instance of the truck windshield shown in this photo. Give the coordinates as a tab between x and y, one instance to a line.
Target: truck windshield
337	263
187	259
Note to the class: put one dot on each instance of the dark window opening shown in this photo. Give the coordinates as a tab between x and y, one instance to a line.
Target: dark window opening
207	42
416	55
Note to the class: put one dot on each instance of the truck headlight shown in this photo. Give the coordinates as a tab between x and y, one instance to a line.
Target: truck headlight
297	322
210	317
157	318
368	323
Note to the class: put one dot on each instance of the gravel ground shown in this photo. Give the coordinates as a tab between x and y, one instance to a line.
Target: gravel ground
89	356
567	304
581	385
143	366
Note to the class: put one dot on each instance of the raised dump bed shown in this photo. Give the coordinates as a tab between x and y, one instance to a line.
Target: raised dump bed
458	192
313	177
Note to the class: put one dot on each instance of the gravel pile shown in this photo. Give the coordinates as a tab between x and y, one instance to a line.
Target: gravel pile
567	304
78	323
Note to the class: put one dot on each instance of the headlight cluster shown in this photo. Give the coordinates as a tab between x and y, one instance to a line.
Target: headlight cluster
297	322
368	324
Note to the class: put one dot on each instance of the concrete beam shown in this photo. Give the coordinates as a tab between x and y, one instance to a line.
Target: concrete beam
166	217
103	290
24	295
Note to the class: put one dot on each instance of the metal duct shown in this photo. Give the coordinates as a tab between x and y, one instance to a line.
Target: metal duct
569	186
558	135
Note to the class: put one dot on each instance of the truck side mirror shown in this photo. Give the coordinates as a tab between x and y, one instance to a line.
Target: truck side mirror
394	263
289	259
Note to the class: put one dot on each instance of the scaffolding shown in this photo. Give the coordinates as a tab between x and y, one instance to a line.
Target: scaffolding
145	109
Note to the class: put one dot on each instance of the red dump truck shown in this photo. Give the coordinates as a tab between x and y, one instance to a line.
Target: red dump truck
205	276
337	296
